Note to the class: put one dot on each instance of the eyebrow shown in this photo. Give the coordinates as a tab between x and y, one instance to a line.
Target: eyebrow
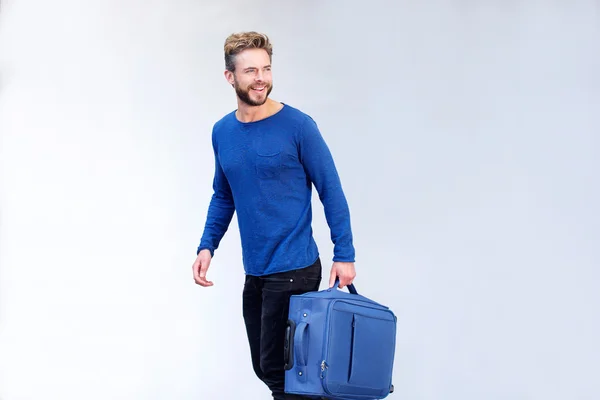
249	68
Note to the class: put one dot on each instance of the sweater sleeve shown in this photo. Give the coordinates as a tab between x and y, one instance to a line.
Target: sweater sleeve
321	170
220	209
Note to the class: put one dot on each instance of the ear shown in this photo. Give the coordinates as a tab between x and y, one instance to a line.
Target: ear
229	77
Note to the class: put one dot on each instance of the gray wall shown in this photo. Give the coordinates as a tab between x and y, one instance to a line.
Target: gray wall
466	136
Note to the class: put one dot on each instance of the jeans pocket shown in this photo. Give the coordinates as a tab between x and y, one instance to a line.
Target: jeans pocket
311	284
278	283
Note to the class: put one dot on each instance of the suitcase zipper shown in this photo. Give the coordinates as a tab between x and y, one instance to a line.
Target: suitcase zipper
323	368
324	365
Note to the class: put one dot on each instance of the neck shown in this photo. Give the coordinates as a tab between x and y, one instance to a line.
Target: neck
248	113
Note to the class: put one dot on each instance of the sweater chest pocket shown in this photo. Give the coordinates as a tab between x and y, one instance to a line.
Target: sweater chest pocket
268	164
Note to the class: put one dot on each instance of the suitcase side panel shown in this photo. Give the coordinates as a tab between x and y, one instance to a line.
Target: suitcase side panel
304	378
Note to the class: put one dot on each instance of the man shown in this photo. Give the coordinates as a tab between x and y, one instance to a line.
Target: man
267	157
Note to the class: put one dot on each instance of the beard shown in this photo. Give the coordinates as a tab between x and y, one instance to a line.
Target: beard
244	94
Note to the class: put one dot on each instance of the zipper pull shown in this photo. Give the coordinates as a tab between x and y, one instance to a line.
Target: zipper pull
323	368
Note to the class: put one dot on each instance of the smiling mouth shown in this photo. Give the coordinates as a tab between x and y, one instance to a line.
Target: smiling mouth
259	89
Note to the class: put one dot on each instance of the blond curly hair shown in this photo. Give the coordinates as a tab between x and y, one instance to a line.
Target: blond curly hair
237	42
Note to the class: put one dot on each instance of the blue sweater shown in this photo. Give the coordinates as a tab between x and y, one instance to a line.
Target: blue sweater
264	171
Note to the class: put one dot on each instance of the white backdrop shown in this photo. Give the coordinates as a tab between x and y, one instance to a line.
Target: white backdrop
466	136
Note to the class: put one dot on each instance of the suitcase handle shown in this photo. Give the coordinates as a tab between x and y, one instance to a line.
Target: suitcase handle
299	343
350	287
294	344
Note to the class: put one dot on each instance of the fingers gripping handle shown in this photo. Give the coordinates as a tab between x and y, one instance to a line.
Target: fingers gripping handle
350	287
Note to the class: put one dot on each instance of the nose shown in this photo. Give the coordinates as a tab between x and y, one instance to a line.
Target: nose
259	76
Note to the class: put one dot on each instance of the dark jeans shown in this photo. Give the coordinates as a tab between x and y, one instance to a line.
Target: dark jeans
265	309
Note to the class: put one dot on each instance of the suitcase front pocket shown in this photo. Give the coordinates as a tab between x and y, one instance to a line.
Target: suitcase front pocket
359	352
371	358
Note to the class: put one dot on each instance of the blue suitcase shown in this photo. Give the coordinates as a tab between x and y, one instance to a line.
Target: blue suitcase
339	345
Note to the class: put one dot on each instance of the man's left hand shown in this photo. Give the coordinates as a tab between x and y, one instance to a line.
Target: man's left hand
344	271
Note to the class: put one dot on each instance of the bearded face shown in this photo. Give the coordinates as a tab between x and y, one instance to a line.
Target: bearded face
252	79
253	94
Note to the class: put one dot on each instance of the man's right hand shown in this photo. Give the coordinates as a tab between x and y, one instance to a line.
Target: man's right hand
201	266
